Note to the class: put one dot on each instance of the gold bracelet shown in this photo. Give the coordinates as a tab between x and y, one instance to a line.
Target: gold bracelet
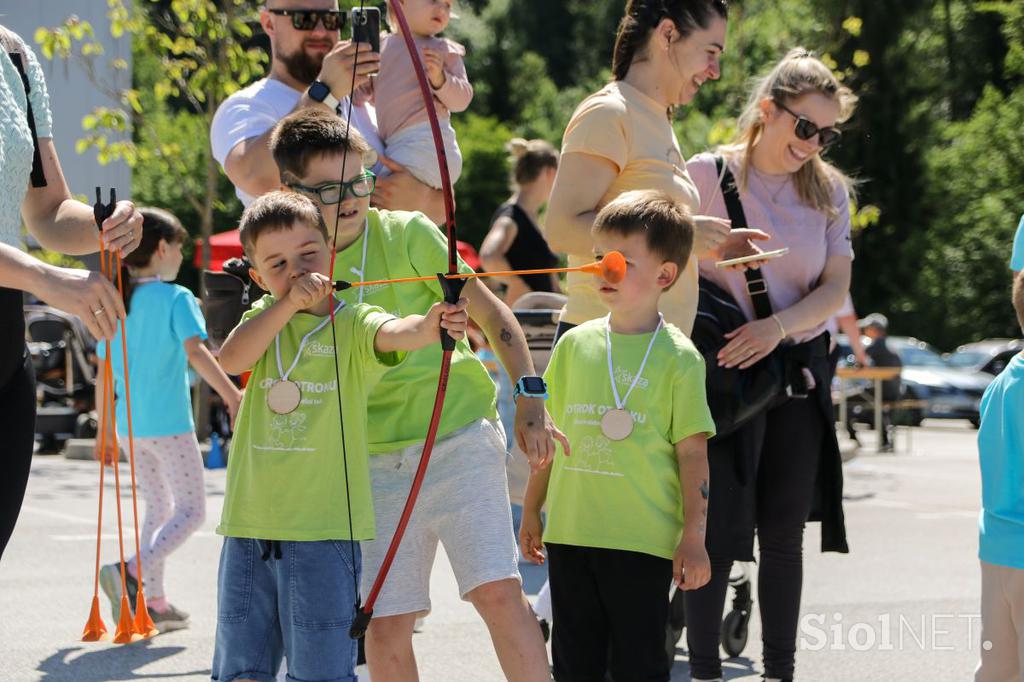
782	330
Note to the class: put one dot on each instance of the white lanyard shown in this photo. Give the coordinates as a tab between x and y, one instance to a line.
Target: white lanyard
302	344
362	269
619	404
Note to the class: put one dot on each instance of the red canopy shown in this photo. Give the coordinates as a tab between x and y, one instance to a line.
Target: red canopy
223	246
227	245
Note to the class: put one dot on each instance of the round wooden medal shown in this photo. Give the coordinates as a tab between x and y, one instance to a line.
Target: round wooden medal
284	397
617	424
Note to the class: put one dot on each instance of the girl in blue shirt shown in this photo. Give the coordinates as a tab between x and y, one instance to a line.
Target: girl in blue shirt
165	330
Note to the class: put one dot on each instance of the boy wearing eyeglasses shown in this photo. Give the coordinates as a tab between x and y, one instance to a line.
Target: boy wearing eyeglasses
464	501
298	493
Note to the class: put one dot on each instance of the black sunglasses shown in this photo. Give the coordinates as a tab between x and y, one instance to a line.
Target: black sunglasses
306	19
806	129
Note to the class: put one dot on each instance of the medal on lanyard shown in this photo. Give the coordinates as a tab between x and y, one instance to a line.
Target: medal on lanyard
617	424
284	395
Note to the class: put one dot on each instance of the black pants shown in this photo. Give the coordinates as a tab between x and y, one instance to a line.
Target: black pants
17	412
786	475
610	611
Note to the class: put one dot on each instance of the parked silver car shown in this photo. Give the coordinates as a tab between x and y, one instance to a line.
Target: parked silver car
990	356
950	392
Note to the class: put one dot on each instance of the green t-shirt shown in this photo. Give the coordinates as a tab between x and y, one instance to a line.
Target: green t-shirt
403	244
622	494
286	475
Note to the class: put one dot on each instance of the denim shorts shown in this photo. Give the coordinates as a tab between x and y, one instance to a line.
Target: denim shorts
299	601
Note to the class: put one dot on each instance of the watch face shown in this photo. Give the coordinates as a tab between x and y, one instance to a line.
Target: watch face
534	385
319	91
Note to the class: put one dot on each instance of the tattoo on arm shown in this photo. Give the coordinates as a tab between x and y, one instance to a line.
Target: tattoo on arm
704	489
506	337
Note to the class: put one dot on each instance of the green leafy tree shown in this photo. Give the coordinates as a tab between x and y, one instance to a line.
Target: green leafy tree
975	190
190	55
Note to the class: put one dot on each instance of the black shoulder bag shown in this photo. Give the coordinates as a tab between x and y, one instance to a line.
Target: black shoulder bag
735	395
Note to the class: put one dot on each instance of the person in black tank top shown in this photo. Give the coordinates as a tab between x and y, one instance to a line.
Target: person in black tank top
515	242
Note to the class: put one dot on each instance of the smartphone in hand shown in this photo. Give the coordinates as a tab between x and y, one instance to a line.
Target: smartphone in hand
764	255
366	26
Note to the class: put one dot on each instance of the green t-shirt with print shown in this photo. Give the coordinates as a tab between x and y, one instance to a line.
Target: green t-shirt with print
404	244
286	473
622	494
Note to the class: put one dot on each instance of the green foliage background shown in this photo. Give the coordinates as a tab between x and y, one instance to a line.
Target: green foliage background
937	142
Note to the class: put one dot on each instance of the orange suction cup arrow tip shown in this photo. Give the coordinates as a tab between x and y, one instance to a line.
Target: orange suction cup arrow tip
95	629
143	624
124	632
613	267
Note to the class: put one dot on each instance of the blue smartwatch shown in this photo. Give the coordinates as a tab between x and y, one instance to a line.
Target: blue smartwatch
531	387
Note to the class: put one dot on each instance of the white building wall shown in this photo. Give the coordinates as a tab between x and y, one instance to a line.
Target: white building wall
72	95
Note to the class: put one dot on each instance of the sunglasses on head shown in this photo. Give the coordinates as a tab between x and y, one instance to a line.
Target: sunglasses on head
306	19
806	129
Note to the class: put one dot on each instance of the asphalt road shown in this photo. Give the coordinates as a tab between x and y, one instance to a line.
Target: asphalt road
902	605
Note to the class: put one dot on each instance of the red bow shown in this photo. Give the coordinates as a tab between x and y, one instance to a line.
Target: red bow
452	290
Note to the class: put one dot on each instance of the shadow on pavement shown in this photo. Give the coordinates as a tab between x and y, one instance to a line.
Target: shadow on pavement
114	663
732	668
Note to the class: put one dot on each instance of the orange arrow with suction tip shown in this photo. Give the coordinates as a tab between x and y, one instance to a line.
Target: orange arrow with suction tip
612	268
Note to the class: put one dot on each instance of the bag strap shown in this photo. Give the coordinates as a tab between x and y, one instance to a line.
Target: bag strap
757	287
10	44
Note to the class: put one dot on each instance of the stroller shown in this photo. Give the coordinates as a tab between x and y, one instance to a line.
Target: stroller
735	625
228	295
60	347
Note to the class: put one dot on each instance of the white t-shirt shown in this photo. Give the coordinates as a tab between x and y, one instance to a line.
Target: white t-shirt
255	109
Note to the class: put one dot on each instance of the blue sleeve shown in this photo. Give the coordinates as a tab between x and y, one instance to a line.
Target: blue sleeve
186	318
1017	260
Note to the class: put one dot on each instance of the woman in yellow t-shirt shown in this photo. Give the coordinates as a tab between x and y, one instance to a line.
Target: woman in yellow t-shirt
620	139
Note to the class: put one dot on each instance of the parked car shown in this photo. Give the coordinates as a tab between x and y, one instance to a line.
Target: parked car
990	356
949	392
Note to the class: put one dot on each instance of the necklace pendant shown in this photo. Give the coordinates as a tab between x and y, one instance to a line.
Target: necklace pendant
284	397
617	424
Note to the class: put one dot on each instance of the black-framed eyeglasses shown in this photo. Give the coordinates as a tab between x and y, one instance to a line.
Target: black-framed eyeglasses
806	129
306	19
334	192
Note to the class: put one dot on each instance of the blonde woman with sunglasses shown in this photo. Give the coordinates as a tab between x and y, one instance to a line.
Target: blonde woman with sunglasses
790	452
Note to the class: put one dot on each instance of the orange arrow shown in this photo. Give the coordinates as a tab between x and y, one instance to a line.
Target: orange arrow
612	268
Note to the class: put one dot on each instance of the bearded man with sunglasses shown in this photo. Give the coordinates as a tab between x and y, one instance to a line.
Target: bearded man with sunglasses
310	67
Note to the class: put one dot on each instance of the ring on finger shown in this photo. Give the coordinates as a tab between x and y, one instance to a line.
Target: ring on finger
98	311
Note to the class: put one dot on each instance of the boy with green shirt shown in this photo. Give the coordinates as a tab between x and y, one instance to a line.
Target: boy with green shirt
296	503
464	501
626	512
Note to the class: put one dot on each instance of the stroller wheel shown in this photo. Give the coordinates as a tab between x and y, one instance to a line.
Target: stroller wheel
734	632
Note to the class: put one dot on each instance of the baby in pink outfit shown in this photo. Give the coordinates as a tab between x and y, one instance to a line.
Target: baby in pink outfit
402	119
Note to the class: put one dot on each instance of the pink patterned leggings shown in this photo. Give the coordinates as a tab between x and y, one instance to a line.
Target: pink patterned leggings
169	471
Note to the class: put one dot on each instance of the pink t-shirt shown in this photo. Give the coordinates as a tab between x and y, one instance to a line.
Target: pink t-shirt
395	92
770	203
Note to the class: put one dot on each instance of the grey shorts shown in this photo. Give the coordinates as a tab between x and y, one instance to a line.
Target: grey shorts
463	504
